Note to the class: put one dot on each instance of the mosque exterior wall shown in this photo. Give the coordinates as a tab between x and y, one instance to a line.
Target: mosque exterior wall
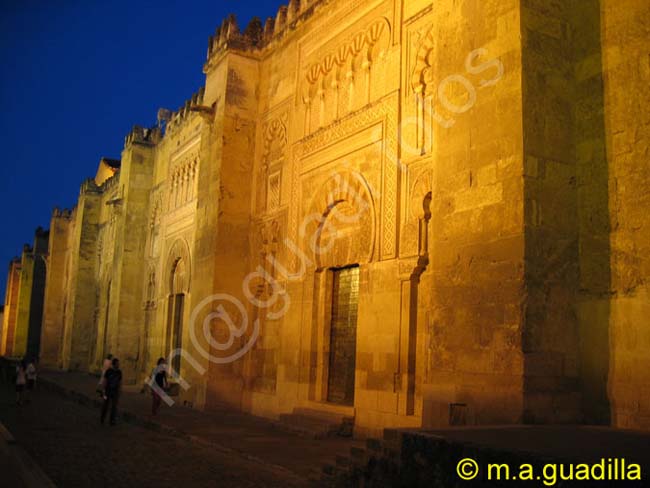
416	214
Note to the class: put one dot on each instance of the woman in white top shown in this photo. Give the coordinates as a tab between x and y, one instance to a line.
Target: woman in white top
30	372
108	363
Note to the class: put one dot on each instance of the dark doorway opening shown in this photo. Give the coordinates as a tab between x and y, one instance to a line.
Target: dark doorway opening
175	327
343	335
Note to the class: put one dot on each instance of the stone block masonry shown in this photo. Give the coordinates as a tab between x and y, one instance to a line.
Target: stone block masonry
482	165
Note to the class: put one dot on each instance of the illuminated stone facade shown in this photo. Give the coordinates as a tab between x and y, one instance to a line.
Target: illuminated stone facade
481	166
9	311
24	300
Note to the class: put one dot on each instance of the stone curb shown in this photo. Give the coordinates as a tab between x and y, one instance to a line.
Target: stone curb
134	419
28	471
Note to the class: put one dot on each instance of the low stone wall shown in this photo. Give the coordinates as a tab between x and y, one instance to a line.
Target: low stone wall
423	459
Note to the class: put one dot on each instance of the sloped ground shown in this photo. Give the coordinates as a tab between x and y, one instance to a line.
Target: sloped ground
66	439
256	439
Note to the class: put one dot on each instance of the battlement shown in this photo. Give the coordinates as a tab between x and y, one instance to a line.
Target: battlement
228	34
142	135
174	120
89	186
255	36
62	213
110	182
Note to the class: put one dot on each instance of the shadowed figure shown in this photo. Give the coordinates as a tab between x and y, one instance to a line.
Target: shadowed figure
112	387
159	377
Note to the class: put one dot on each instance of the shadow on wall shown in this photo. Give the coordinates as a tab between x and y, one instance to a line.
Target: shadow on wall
593	214
566	337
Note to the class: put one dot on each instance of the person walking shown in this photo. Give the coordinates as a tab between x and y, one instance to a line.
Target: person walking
21	380
106	365
30	373
159	377
112	387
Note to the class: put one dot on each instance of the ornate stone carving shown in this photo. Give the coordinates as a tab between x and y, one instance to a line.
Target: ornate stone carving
273	192
274	142
182	179
415	227
383	111
269	235
266	244
156	210
340	226
179	252
275	138
360	41
150	290
422	86
422	75
342	76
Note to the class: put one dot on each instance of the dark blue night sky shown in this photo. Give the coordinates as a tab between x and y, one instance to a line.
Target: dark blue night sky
76	76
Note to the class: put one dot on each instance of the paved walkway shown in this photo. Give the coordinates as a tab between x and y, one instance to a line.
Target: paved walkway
10	474
17	467
227	430
66	440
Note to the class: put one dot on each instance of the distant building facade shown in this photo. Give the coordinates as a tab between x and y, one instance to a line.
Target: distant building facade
416	214
10	303
24	300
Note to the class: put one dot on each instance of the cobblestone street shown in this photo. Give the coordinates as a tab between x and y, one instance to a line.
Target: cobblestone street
68	442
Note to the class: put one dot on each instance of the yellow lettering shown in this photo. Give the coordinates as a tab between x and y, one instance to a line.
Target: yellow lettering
526	472
498	468
550	479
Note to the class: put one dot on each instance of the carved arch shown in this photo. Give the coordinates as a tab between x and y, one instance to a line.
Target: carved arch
422	185
353	46
422	73
179	254
341	222
415	227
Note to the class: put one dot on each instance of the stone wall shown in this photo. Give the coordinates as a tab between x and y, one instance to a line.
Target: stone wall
40	252
550	341
126	323
55	289
29	304
79	333
482	162
625	30
472	292
234	81
592	305
10	308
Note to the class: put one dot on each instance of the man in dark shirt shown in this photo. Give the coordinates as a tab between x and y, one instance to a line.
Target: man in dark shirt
112	386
